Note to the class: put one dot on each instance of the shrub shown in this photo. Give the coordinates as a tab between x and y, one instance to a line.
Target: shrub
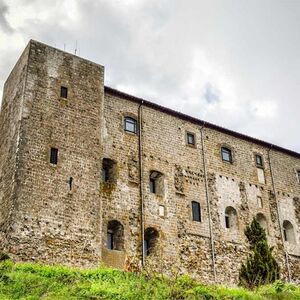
260	267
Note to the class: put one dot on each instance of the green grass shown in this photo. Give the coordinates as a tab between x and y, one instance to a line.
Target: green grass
36	281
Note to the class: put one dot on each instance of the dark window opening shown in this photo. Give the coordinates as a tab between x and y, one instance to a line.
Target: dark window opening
226	154
108	170
227	221
63	92
110	240
298	175
53	156
115	235
130	125
196	211
152	185
71	183
258	161
150	240
156	183
190	138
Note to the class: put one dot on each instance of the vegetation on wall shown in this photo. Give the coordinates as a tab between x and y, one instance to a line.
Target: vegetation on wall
260	267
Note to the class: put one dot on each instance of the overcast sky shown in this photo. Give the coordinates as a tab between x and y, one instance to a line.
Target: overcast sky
235	63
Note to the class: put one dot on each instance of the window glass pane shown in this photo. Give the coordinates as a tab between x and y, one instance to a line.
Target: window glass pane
258	160
190	139
53	156
130	125
64	92
110	242
226	154
196	211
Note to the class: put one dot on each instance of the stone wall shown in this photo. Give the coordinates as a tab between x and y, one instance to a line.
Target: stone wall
52	220
10	121
58	220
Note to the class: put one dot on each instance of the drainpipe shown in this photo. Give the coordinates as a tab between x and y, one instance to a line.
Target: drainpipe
140	119
278	215
212	243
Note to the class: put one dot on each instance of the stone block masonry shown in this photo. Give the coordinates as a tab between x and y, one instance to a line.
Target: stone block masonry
120	184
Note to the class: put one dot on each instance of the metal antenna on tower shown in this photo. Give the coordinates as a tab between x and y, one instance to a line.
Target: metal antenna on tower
76	48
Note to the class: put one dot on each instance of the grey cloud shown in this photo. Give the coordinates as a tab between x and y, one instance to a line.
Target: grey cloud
3	21
240	56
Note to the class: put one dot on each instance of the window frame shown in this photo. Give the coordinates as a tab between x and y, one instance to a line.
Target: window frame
53	156
132	121
196	211
193	136
225	149
63	92
261	164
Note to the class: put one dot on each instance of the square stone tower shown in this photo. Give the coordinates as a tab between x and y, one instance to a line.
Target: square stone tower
50	137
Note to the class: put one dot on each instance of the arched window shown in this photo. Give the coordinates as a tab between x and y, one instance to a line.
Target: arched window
288	232
226	154
156	183
230	217
115	235
196	211
130	125
262	220
151	236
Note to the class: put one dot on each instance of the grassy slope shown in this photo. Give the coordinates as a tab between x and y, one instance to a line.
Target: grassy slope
34	281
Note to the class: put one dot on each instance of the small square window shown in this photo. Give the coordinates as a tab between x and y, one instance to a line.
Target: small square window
190	137
53	156
63	92
258	160
226	154
259	202
130	125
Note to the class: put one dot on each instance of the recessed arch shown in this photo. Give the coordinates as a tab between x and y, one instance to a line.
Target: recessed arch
230	217
151	236
262	220
288	232
115	235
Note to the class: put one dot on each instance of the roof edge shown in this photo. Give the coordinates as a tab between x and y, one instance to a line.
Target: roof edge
191	119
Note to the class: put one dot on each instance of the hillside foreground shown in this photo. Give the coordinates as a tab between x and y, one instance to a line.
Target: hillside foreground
37	281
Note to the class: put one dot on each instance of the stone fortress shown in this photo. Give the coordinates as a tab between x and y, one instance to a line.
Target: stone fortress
91	175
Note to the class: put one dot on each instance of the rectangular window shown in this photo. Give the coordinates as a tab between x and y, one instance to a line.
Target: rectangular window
53	156
258	160
63	92
196	211
130	125
190	137
108	170
259	202
298	176
226	154
110	241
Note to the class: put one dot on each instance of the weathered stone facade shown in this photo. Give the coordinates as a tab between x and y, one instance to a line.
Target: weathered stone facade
71	213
